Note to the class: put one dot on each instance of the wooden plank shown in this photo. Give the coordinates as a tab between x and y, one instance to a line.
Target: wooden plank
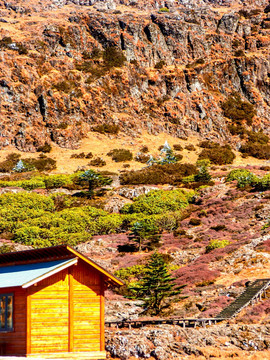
93	355
71	312
28	323
96	266
102	317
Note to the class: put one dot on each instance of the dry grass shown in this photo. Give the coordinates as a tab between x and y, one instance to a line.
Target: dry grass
100	145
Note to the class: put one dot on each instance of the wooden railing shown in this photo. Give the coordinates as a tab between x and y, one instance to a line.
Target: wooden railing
253	293
181	322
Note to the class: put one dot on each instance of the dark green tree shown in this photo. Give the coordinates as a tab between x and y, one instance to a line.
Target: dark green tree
94	180
203	174
156	288
145	232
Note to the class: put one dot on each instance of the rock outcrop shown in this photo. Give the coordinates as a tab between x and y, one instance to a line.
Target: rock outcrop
180	66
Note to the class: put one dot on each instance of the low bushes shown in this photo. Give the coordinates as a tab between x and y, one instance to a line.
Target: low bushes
8	164
237	110
158	174
216	244
159	201
46	148
33	220
119	155
106	128
246	178
217	154
98	161
257	150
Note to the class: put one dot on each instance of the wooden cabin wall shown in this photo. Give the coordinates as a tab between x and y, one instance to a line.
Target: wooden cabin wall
67	312
49	315
88	293
14	342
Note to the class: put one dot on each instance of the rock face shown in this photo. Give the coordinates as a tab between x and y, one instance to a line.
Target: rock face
181	65
173	342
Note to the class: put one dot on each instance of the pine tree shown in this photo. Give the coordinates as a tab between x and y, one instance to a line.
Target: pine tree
94	180
156	288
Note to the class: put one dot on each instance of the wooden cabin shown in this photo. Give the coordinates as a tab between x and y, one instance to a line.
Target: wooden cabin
52	304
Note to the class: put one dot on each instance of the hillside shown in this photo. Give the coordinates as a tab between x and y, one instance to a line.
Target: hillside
162	71
164	106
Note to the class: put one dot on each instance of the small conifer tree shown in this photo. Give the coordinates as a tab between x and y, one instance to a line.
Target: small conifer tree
156	288
94	180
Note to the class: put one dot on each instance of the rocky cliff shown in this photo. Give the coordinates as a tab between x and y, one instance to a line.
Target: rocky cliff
180	65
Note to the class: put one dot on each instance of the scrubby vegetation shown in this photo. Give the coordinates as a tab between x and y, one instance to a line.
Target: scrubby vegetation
120	155
216	153
237	110
159	174
159	201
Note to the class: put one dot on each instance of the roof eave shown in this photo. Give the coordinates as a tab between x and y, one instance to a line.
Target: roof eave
113	279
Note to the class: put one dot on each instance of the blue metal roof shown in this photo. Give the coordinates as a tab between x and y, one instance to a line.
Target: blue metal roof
19	275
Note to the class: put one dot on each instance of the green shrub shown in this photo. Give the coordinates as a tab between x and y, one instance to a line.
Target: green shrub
131	272
42	163
143	158
244	177
239	53
119	155
177	147
113	57
257	150
195	222
57	181
216	244
160	64
164	9
98	161
190	147
66	86
159	201
238	110
237	174
158	174
262	184
8	164
107	128
46	148
217	154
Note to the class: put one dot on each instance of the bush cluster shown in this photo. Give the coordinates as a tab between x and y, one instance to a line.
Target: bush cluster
159	201
107	128
82	155
143	158
42	163
98	161
216	244
158	174
8	164
246	178
46	148
33	220
119	155
238	110
257	150
216	153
